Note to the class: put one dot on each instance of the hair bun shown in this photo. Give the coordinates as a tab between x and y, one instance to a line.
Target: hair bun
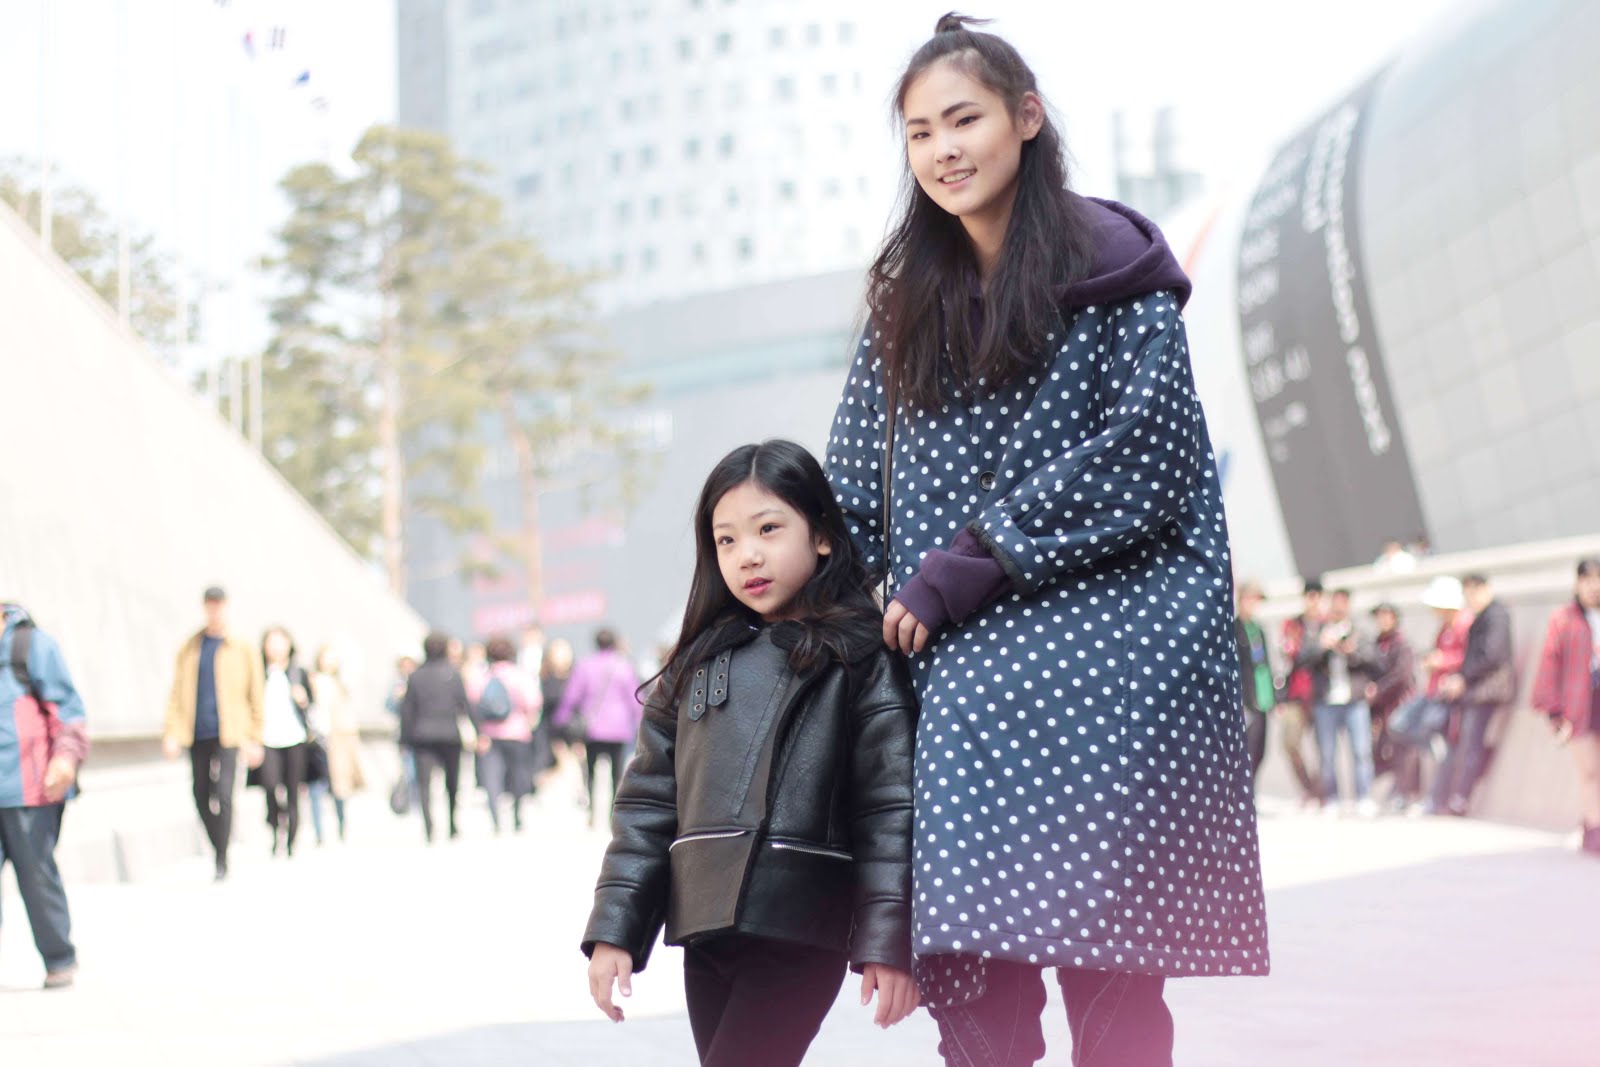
955	22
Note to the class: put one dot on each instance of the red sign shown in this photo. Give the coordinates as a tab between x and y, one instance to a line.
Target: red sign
588	605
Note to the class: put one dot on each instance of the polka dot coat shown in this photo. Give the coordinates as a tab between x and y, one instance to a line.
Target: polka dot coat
1083	792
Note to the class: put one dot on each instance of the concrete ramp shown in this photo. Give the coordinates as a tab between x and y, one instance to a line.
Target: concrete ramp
122	497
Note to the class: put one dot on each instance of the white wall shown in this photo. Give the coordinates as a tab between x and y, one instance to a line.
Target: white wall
122	497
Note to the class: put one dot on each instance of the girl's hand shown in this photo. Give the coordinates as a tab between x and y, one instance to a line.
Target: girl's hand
610	964
897	993
901	630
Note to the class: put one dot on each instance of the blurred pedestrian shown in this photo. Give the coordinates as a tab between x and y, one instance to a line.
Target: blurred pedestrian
333	720
530	652
286	735
1339	659
566	740
404	792
1256	678
43	738
508	704
1419	723
1293	711
431	717
1567	690
1485	684
1393	673
603	690
1395	559
215	711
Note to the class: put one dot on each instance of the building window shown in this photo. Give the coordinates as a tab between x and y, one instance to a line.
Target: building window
830	84
698	251
528	184
647	156
616	163
786	191
733	196
691	148
619	262
847	32
655	207
733	94
725	145
724	43
647	259
685	48
745	248
813	34
569	175
626	110
830	189
616	61
624	212
777	37
783	88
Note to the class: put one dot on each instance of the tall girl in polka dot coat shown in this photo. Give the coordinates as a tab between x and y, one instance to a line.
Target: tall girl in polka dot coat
1059	574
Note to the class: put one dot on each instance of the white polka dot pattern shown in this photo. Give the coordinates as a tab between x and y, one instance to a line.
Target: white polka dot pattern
1083	792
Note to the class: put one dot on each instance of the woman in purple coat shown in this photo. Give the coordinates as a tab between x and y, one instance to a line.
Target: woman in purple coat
602	694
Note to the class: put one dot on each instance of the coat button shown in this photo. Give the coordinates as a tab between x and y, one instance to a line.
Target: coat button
986	481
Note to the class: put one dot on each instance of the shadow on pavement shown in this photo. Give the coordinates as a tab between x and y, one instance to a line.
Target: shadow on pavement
1466	961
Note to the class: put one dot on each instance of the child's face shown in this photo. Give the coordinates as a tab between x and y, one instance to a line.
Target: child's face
765	549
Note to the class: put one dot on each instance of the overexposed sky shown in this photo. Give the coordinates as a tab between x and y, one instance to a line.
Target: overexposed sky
156	105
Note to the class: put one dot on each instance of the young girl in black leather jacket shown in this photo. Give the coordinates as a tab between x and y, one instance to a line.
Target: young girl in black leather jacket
765	820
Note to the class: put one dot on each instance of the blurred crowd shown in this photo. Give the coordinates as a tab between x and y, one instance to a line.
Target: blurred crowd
1352	695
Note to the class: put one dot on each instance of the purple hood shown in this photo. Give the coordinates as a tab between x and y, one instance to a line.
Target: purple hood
1131	259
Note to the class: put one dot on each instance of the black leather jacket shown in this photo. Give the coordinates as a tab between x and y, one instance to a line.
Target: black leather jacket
769	803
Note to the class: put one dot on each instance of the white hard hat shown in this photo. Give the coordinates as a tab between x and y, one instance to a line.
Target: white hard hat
1444	592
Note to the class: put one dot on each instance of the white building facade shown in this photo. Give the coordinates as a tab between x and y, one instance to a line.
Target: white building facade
677	146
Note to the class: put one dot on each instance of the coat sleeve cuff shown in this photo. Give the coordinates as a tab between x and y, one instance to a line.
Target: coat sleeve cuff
954	583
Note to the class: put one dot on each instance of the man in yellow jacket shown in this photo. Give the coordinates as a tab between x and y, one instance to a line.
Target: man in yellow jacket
215	711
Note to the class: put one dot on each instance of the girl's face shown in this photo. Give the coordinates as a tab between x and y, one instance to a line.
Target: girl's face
276	646
963	144
765	549
559	655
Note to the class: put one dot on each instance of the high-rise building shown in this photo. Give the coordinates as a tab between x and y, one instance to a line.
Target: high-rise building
678	146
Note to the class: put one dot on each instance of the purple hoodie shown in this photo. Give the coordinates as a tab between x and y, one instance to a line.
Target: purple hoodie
602	687
1131	259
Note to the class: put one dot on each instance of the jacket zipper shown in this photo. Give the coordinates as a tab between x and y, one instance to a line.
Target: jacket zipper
813	850
710	835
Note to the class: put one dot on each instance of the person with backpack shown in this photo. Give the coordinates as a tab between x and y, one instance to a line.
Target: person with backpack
43	739
508	705
604	692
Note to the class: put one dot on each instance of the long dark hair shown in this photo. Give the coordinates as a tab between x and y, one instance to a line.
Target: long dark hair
835	611
919	286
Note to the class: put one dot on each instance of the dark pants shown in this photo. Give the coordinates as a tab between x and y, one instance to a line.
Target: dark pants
1115	1019
446	756
214	768
1452	787
1255	739
612	750
28	839
507	770
284	769
753	1000
1354	720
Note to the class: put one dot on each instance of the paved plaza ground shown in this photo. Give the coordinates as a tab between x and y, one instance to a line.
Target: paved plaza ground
1396	943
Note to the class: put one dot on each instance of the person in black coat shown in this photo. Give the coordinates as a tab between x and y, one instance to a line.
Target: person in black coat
430	726
1487	682
765	819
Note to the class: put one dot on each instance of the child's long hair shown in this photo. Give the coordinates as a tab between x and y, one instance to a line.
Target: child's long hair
919	286
835	609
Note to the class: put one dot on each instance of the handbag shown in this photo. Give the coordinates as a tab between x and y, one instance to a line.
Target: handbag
316	761
400	796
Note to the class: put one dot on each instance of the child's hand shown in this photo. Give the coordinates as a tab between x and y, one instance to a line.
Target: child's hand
897	993
610	964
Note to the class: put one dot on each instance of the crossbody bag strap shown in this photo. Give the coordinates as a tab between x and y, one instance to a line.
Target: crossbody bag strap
888	483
